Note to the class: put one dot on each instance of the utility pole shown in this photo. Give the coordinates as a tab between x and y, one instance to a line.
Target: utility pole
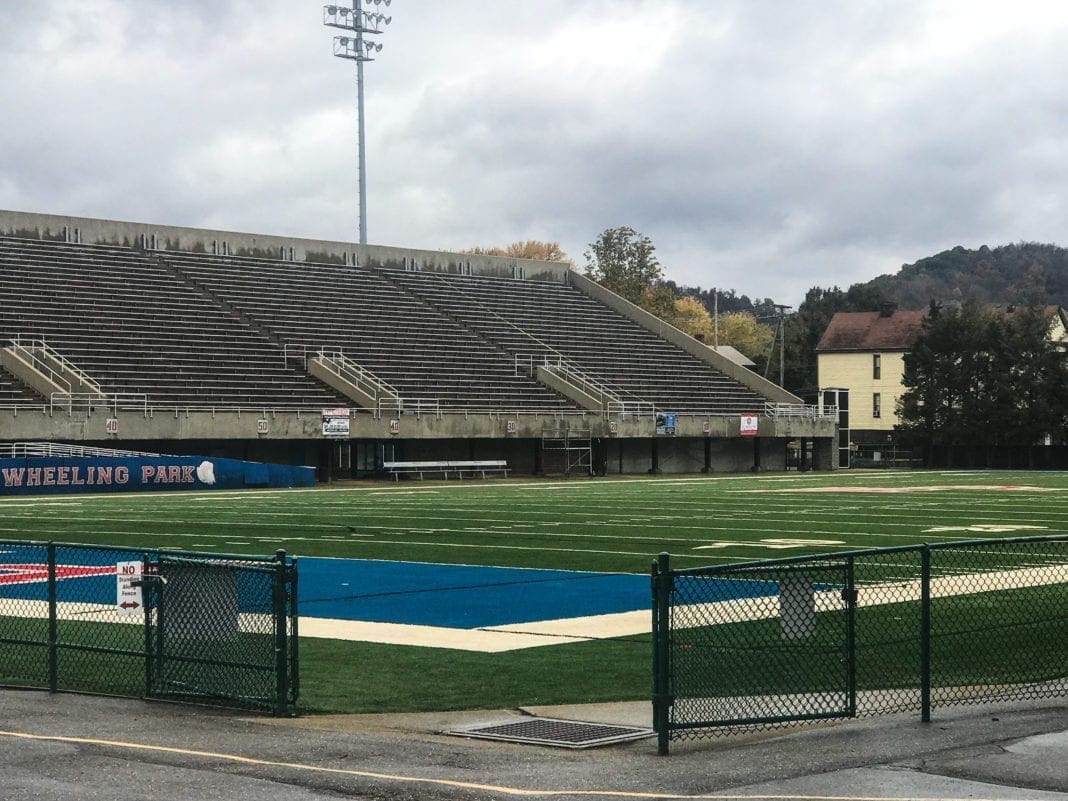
782	341
715	316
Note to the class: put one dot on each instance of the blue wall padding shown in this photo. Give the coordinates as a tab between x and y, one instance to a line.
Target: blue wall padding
63	475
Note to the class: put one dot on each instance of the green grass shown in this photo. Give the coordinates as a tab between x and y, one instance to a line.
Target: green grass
999	637
385	678
600	524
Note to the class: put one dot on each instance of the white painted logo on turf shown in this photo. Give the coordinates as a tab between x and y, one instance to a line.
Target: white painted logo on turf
770	544
206	473
986	528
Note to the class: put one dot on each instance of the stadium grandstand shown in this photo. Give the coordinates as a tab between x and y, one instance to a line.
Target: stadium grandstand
355	357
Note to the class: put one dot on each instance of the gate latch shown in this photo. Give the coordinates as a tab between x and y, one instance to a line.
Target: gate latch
148	581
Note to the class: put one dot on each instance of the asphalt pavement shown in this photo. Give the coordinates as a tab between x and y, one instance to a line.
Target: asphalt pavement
77	748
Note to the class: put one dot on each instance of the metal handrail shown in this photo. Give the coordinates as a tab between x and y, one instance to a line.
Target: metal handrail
415	406
635	408
23	450
802	410
142	404
29	354
90	401
346	368
38	343
612	398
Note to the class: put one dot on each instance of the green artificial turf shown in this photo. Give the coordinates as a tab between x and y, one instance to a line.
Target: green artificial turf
617	524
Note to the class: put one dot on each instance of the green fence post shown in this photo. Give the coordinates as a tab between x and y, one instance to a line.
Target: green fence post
294	638
53	626
850	597
146	605
925	634
661	576
281	662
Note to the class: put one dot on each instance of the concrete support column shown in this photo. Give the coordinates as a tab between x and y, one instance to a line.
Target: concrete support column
654	453
708	456
756	454
824	454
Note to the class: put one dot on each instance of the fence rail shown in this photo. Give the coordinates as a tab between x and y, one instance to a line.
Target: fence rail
859	633
154	624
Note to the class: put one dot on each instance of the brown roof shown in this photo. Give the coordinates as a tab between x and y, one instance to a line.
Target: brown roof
866	331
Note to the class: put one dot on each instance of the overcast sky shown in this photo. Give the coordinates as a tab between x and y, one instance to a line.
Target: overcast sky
762	146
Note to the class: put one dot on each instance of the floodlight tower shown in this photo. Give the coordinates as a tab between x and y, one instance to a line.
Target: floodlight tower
358	49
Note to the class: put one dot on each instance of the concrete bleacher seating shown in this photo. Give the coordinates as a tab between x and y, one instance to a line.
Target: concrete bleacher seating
14	392
137	329
400	339
540	318
194	330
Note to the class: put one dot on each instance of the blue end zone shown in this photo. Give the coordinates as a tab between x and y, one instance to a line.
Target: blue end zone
460	596
417	593
466	596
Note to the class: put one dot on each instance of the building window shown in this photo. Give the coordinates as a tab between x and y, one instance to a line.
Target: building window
877	405
876	366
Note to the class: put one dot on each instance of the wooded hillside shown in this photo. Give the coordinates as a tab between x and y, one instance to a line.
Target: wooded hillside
1022	273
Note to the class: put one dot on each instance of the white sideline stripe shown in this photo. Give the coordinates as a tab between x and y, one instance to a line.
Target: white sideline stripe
95	613
487	641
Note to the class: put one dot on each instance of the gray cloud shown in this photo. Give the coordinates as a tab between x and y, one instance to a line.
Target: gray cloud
763	146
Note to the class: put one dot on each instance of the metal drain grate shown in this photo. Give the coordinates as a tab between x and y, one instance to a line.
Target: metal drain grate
559	733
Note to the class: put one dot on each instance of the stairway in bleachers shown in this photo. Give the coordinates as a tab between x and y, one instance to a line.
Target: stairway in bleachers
548	319
130	324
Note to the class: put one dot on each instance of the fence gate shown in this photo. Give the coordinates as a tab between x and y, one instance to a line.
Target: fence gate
752	646
124	621
221	629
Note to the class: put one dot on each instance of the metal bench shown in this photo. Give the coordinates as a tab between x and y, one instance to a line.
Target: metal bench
480	467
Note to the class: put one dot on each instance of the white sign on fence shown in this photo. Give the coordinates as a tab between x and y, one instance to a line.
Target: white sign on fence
130	599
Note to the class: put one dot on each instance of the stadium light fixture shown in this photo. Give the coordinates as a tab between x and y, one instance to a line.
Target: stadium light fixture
356	48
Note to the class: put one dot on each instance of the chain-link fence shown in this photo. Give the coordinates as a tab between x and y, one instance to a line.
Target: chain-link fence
773	643
154	624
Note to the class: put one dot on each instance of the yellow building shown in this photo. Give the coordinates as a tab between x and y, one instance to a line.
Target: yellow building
863	353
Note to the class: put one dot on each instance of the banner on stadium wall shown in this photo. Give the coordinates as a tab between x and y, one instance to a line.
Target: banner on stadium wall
65	475
336	422
749	425
665	423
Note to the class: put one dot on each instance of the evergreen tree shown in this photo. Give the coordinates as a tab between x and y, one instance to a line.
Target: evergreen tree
983	378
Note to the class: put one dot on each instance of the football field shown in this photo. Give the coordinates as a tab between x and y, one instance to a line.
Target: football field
435	595
609	525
